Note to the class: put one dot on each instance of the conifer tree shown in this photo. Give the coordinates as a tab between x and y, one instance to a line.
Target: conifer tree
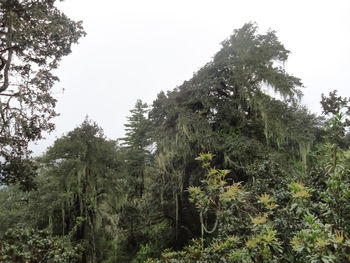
137	143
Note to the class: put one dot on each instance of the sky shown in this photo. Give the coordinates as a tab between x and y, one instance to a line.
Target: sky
135	48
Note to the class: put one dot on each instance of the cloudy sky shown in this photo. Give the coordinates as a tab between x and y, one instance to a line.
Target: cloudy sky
136	48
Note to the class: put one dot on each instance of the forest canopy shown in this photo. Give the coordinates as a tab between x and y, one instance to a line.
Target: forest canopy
215	170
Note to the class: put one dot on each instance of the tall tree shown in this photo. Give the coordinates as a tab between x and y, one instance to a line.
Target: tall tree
34	36
81	170
137	143
225	109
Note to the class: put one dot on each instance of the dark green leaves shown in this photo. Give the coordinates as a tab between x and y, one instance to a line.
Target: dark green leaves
34	36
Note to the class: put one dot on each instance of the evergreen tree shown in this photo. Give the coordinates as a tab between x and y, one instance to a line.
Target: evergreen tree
81	171
225	109
137	146
274	187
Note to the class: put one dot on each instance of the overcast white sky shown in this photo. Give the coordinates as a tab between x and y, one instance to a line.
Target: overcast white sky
136	48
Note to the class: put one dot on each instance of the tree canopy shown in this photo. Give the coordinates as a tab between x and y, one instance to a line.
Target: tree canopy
227	167
34	37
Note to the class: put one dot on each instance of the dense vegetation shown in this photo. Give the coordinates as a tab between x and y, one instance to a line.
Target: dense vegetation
227	167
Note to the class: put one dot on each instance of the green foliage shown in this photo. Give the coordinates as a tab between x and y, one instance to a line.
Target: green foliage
145	252
137	147
216	170
315	237
26	245
339	109
303	226
34	37
225	109
82	167
78	192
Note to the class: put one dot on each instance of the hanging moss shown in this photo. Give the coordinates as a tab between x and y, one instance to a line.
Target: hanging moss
304	150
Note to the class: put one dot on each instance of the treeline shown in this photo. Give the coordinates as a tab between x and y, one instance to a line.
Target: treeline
216	170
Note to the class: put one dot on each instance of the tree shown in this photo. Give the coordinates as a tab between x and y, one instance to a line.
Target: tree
339	109
80	171
225	109
276	202
137	157
34	36
248	229
137	142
